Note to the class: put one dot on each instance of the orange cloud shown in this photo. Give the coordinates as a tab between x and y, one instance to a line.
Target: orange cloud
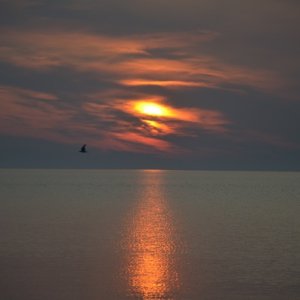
19	116
130	60
207	119
112	125
195	71
25	93
153	144
162	83
26	113
113	119
145	131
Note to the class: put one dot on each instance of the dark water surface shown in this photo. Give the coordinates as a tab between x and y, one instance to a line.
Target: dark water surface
96	234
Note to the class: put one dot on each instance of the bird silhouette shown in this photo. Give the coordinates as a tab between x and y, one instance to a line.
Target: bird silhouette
83	149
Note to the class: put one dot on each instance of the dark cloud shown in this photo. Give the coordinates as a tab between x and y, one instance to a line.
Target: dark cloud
72	71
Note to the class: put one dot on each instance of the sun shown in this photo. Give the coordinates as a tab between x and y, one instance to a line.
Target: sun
152	109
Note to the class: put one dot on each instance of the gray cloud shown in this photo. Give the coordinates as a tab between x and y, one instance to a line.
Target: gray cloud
69	67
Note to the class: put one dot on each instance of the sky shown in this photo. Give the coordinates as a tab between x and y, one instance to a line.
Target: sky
158	84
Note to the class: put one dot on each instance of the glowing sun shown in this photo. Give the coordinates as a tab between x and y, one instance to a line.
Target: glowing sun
152	109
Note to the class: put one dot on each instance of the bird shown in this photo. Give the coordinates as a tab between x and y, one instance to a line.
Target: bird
83	149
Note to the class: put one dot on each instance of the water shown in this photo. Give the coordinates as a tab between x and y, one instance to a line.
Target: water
95	234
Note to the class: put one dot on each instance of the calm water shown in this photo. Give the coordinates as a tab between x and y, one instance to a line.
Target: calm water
82	234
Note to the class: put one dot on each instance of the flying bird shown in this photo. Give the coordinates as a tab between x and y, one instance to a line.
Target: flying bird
83	149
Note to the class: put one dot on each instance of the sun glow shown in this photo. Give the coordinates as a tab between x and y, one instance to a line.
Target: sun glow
158	128
152	109
155	118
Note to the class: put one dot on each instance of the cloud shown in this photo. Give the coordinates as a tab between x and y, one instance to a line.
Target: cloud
125	123
162	83
164	59
31	113
109	125
225	73
125	68
37	114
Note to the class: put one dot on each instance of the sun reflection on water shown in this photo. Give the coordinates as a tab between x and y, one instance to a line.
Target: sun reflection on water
150	243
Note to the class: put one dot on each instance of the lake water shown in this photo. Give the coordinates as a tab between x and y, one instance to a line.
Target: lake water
97	234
